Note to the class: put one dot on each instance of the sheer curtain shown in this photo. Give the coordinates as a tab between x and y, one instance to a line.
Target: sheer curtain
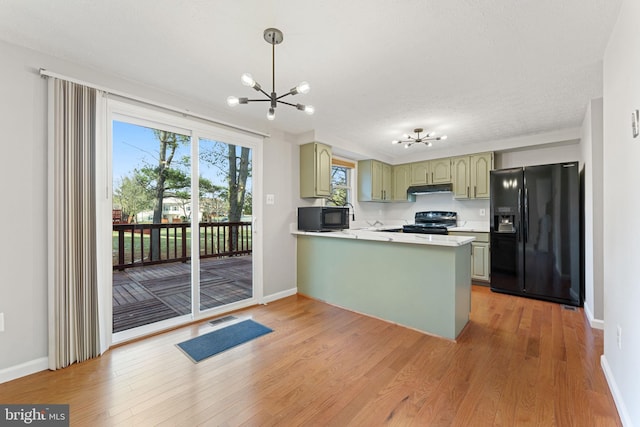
74	318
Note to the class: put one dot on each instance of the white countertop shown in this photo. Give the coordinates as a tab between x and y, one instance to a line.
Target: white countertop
471	226
385	236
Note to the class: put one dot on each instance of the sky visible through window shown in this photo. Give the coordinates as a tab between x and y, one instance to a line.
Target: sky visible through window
135	146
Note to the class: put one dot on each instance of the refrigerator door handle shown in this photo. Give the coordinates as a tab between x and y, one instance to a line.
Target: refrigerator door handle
526	214
519	230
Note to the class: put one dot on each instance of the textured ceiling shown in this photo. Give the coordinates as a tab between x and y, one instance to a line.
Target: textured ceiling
477	70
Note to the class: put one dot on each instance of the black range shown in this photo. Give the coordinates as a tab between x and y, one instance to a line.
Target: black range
432	222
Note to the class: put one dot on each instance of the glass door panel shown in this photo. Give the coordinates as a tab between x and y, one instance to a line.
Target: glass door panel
151	235
225	202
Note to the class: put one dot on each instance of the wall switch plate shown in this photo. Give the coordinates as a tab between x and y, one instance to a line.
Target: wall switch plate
482	212
1	322
271	199
619	337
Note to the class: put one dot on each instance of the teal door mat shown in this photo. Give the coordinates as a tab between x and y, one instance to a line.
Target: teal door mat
212	343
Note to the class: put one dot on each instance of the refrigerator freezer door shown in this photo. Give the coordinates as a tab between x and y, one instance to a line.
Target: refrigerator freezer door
507	262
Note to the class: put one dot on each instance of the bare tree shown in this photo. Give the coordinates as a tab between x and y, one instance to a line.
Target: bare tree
237	170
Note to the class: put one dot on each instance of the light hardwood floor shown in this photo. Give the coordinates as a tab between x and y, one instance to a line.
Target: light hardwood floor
518	362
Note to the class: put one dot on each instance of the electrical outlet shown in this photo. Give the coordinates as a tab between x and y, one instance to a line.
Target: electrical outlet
1	322
482	212
271	199
619	337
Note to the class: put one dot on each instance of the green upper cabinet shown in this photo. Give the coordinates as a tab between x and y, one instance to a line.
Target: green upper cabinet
401	182
315	170
420	173
374	181
440	171
481	165
380	182
461	177
471	176
436	171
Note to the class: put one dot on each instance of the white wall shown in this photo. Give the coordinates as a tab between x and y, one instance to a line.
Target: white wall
468	210
591	144
539	155
621	152
281	164
23	169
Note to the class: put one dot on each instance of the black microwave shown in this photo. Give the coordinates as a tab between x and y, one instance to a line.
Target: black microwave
323	218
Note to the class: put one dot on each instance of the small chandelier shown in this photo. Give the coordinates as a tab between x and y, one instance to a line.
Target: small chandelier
273	36
426	140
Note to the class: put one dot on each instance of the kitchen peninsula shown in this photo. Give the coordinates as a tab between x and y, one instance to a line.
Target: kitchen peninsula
419	281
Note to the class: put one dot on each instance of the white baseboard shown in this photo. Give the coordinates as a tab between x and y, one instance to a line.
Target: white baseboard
24	369
279	295
595	323
615	392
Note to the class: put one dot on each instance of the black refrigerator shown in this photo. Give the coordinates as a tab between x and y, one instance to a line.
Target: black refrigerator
535	232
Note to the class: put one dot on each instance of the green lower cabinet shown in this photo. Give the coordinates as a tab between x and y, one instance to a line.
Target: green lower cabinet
480	255
480	261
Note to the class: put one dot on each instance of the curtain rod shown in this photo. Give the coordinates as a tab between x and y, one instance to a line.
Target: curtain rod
46	73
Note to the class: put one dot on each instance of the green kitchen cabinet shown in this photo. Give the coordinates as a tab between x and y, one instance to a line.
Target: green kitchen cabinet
420	172
471	176
401	182
315	170
437	171
480	255
374	181
440	171
480	261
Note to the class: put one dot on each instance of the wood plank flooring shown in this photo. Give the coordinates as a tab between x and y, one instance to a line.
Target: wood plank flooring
144	295
519	362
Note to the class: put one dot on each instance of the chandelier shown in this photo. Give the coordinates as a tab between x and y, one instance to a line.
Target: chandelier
273	36
426	140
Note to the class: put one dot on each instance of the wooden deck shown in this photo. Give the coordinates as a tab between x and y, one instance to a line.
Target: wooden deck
144	295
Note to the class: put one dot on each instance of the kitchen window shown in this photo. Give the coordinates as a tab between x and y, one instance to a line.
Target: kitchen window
341	178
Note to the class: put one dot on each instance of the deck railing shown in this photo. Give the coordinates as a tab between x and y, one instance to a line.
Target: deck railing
132	243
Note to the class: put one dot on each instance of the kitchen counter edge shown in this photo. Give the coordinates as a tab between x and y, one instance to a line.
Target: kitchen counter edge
383	236
471	229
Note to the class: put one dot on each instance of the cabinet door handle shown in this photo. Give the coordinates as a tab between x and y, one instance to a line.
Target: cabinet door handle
431	177
474	191
467	192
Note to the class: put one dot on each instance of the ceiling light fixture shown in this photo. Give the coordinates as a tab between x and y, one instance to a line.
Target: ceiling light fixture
273	36
426	140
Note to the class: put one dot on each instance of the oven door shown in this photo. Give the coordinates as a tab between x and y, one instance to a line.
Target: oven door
424	230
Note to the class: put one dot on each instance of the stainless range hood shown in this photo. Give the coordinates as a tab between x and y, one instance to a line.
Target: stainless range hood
432	188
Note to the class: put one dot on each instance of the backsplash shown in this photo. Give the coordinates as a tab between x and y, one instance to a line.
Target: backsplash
468	210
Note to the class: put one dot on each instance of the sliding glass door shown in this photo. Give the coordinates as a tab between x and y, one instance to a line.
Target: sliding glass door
183	234
151	229
226	268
